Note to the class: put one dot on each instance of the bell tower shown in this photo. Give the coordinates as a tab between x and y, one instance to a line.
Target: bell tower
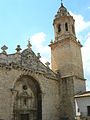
66	60
63	24
66	50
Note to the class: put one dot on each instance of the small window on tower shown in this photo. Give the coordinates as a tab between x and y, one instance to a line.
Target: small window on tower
78	110
59	28
73	30
66	26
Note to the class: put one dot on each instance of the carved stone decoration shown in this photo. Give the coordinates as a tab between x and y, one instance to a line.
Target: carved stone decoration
38	56
51	41
4	48
26	59
24	87
29	45
29	59
47	64
18	49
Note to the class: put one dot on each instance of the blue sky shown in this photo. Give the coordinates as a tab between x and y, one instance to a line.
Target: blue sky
24	19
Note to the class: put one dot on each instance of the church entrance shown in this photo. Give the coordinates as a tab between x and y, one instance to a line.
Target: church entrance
27	100
24	117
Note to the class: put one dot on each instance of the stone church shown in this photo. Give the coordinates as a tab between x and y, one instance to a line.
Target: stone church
30	90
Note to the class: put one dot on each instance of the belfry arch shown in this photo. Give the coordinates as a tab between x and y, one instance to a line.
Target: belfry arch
27	104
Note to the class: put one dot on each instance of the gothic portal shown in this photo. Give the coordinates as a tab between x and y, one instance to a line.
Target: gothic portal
27	99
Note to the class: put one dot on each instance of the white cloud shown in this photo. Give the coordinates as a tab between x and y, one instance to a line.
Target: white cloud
88	7
43	49
86	60
80	23
86	55
88	34
38	41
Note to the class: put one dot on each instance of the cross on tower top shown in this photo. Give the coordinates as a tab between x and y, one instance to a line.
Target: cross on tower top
61	2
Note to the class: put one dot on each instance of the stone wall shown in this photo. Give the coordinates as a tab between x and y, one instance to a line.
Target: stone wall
67	105
66	57
79	85
49	88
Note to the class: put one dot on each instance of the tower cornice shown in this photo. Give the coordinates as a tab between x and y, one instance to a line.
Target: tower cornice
57	17
64	40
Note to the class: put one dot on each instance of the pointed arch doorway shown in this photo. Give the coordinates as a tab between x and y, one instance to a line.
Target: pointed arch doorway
27	99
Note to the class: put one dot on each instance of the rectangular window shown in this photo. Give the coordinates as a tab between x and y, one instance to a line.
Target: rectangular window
88	110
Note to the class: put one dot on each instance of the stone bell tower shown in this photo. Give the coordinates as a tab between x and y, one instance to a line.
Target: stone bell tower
66	60
66	50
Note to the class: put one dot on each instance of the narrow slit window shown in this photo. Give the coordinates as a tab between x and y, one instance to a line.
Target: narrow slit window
88	110
59	28
66	26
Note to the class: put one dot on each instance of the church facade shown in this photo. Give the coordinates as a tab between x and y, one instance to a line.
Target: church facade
29	90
